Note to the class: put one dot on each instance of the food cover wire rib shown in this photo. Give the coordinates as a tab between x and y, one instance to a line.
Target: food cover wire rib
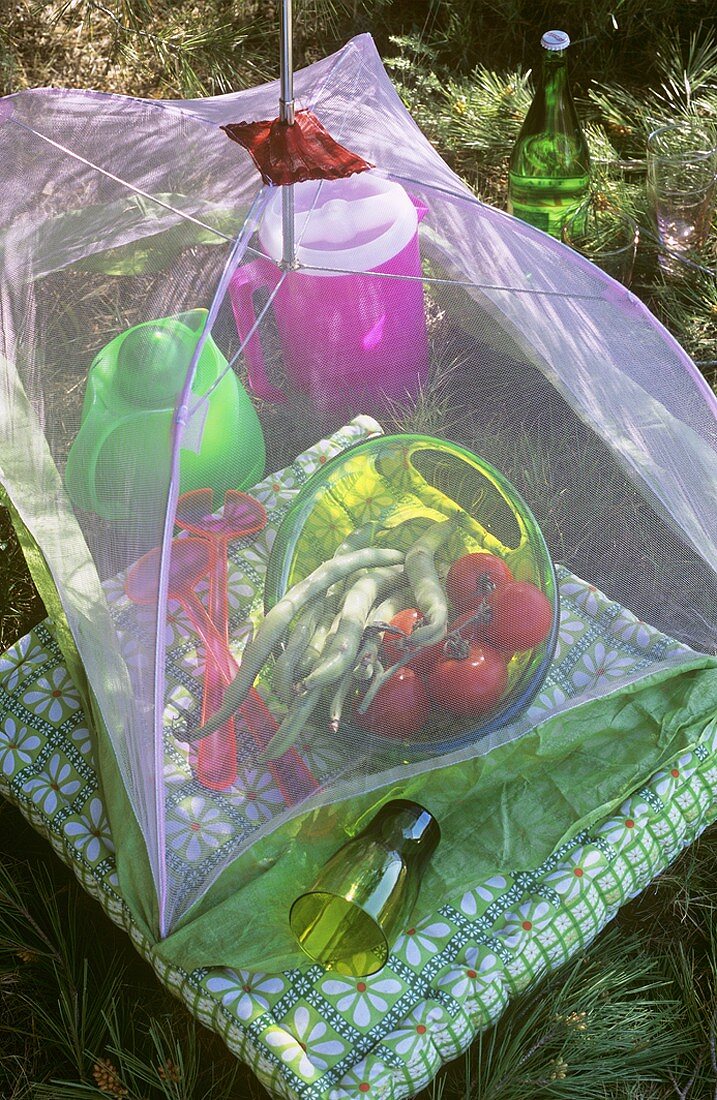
119	211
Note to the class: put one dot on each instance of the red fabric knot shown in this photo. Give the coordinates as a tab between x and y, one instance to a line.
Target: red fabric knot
292	154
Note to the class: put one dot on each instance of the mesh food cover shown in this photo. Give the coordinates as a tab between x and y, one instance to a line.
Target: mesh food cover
310	462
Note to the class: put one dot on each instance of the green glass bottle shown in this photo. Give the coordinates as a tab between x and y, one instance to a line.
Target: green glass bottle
550	164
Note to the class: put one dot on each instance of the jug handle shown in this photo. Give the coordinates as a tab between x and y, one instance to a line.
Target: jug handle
82	459
244	283
421	208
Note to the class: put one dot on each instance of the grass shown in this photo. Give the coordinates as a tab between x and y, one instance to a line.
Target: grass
633	1018
20	605
76	1000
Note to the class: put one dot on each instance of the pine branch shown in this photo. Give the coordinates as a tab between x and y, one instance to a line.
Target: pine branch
684	1092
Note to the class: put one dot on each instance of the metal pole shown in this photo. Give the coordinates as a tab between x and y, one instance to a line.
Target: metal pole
286	64
287	116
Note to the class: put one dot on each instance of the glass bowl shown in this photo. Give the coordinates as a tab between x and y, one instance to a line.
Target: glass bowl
394	486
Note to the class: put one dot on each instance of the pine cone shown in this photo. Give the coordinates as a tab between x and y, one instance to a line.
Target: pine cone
107	1078
170	1072
27	956
560	1069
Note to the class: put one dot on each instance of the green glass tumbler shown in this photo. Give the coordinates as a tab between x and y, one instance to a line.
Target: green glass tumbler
363	897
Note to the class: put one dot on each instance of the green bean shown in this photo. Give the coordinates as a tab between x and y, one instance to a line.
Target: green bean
364	667
278	618
291	727
324	628
397	601
379	622
380	676
340	654
392	605
300	713
286	662
405	515
339	698
359	539
427	589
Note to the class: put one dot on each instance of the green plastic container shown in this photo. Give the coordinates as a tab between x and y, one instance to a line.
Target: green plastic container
119	463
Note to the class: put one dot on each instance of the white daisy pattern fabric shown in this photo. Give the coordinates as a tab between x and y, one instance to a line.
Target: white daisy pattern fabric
580	867
315	1038
17	745
52	696
312	1035
527	920
90	832
246	994
55	786
194	827
446	977
21	661
361	999
417	945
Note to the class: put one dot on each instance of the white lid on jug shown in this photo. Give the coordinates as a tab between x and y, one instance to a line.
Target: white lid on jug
352	224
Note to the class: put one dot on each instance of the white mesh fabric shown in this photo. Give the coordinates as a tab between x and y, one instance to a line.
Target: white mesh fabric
57	312
130	212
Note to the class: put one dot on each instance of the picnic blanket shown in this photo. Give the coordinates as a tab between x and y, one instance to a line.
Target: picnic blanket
314	1034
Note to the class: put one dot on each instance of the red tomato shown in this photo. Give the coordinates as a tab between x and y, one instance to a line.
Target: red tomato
521	617
393	647
401	708
466	629
469	685
473	577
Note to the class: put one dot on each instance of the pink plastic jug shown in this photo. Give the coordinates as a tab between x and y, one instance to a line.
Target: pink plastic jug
349	329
